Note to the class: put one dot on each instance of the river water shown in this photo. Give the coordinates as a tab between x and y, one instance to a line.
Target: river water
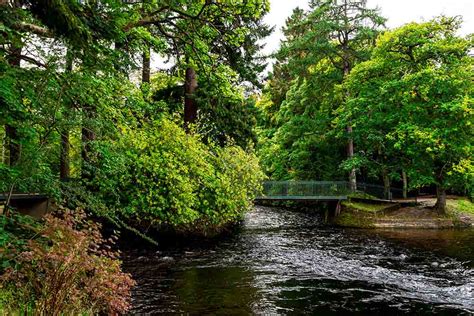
288	263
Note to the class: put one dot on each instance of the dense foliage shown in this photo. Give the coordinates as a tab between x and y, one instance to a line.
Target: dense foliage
348	97
411	104
159	174
77	127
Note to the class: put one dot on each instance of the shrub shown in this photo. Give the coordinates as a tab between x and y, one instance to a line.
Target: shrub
68	269
159	174
238	180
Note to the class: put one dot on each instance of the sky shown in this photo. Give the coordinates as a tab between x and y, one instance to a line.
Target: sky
398	12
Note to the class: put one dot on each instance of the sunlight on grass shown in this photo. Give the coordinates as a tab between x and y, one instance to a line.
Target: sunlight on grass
461	206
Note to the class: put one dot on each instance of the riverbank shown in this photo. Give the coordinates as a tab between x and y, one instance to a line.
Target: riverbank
361	213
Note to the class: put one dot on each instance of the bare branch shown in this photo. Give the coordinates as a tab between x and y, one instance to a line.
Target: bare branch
33	61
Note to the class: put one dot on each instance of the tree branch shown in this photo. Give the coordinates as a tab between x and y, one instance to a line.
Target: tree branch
33	61
151	19
32	28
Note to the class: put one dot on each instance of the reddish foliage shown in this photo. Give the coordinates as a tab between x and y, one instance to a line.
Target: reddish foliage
71	269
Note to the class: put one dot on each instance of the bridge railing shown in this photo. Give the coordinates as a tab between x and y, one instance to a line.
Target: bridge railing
379	191
299	189
323	190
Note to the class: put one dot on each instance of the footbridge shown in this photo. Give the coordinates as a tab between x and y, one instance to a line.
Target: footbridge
320	191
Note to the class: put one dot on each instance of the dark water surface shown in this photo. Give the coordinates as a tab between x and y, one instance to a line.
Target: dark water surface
289	263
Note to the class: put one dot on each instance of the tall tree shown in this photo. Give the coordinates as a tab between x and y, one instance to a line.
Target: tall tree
13	57
200	37
64	158
322	45
416	95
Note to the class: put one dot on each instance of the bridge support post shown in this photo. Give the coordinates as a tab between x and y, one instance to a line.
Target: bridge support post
338	208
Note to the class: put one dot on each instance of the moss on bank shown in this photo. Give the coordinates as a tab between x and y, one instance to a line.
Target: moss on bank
354	220
364	207
373	214
358	214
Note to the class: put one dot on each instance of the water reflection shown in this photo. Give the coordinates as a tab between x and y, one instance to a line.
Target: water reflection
226	290
289	263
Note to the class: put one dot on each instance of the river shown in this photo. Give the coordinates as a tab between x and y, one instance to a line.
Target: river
288	263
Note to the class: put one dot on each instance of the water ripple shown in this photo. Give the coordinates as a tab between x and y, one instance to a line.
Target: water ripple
286	262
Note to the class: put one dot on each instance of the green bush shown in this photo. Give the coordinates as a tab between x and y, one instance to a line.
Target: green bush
158	174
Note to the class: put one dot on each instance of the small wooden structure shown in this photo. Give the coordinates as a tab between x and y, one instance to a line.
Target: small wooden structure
36	205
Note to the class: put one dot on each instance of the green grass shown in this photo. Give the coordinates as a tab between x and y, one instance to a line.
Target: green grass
373	208
359	214
461	206
7	298
365	215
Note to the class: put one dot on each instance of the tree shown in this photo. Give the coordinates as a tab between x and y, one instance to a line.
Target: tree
303	146
322	45
416	94
73	104
200	35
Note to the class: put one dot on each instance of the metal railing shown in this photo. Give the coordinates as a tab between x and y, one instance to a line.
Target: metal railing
323	190
305	189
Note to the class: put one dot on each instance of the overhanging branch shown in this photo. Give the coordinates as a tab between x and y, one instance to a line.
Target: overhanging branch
32	28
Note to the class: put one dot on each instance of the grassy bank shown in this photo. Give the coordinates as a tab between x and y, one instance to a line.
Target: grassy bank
373	214
461	206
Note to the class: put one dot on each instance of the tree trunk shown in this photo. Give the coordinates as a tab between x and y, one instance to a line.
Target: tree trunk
88	136
350	143
350	154
440	200
146	71
405	184
11	132
64	162
64	169
346	59
190	106
14	148
386	184
4	158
